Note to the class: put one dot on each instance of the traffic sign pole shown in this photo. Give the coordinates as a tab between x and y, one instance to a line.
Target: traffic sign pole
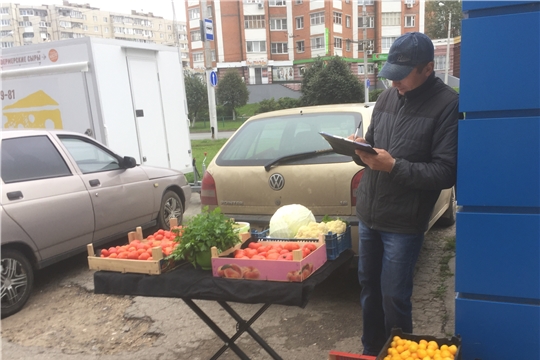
208	27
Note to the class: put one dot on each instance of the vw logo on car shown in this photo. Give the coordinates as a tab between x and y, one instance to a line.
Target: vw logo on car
276	181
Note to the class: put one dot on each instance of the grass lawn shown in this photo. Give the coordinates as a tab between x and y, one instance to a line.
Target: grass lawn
225	123
199	147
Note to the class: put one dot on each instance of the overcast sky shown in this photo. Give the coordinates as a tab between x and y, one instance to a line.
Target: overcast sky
161	8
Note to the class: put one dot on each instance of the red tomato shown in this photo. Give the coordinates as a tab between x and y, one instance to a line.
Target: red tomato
104	253
254	245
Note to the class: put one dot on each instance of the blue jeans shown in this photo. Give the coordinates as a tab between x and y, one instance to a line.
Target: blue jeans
385	270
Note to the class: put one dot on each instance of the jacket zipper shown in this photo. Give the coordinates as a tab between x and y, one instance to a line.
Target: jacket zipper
389	143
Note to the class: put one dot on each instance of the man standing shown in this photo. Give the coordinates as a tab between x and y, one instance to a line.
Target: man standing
414	131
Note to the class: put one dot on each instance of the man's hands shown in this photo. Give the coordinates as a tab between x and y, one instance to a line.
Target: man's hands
383	161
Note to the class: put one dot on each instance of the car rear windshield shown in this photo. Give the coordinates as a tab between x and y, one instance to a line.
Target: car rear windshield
263	140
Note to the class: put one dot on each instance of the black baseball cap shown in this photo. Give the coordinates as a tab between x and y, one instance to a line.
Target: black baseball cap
407	52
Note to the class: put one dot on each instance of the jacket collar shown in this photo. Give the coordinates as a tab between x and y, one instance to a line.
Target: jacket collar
409	95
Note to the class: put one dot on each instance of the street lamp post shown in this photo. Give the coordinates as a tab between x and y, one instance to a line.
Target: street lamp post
447	65
448	49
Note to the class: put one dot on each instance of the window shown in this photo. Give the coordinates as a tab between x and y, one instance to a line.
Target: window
391	19
279	48
26	12
169	27
105	19
4	10
277	2
94	18
348	45
317	18
386	42
196	35
348	21
300	46
254	22
28	23
96	28
361	69
198	57
85	28
365	2
278	24
106	30
89	157
370	45
370	22
31	158
338	43
208	11
7	44
409	21
337	18
298	2
5	22
440	62
299	22
256	46
317	43
194	14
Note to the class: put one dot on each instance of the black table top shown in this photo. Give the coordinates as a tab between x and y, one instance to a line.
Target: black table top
187	282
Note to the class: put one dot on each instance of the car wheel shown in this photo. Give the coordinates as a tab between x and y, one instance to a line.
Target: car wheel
171	206
17	281
449	216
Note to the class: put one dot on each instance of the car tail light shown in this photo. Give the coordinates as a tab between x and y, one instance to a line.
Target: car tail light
208	190
354	185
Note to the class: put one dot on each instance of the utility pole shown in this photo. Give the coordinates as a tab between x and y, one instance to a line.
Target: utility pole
208	70
365	46
448	48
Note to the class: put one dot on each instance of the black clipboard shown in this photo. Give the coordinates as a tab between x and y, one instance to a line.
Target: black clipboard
346	146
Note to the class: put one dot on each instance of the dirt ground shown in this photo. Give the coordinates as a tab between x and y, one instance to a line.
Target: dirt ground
66	317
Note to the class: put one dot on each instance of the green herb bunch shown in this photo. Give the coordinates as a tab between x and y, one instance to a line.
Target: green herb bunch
201	232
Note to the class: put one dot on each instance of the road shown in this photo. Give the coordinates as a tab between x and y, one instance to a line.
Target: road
64	320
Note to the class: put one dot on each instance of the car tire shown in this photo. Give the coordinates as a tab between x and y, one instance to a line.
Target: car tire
171	206
449	216
17	281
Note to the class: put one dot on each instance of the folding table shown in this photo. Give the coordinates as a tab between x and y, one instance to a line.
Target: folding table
190	284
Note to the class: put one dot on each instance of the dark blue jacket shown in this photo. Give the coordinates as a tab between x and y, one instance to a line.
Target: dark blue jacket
419	130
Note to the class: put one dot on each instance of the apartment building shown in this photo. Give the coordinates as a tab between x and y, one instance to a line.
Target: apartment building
23	25
272	41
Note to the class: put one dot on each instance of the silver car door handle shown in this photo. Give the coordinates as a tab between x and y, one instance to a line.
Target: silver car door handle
94	182
14	195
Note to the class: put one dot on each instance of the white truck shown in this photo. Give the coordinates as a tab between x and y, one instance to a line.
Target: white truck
127	95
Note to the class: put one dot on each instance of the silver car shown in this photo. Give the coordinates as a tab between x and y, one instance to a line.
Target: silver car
63	190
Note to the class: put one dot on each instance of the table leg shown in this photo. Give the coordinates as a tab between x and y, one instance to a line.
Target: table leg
212	325
246	326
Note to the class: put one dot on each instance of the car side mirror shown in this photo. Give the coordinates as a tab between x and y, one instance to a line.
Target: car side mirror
129	162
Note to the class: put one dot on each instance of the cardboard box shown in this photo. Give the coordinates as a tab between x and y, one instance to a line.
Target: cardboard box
454	340
296	270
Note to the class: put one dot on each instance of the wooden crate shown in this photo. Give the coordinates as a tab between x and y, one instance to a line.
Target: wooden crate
152	267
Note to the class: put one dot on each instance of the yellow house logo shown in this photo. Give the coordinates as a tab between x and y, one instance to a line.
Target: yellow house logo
37	110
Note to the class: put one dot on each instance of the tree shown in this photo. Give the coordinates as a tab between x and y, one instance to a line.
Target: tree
437	19
330	82
196	94
232	92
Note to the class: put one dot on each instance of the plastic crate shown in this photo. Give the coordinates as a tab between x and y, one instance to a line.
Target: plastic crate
335	243
454	340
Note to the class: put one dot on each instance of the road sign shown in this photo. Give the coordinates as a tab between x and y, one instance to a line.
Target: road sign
213	78
368	83
209	29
